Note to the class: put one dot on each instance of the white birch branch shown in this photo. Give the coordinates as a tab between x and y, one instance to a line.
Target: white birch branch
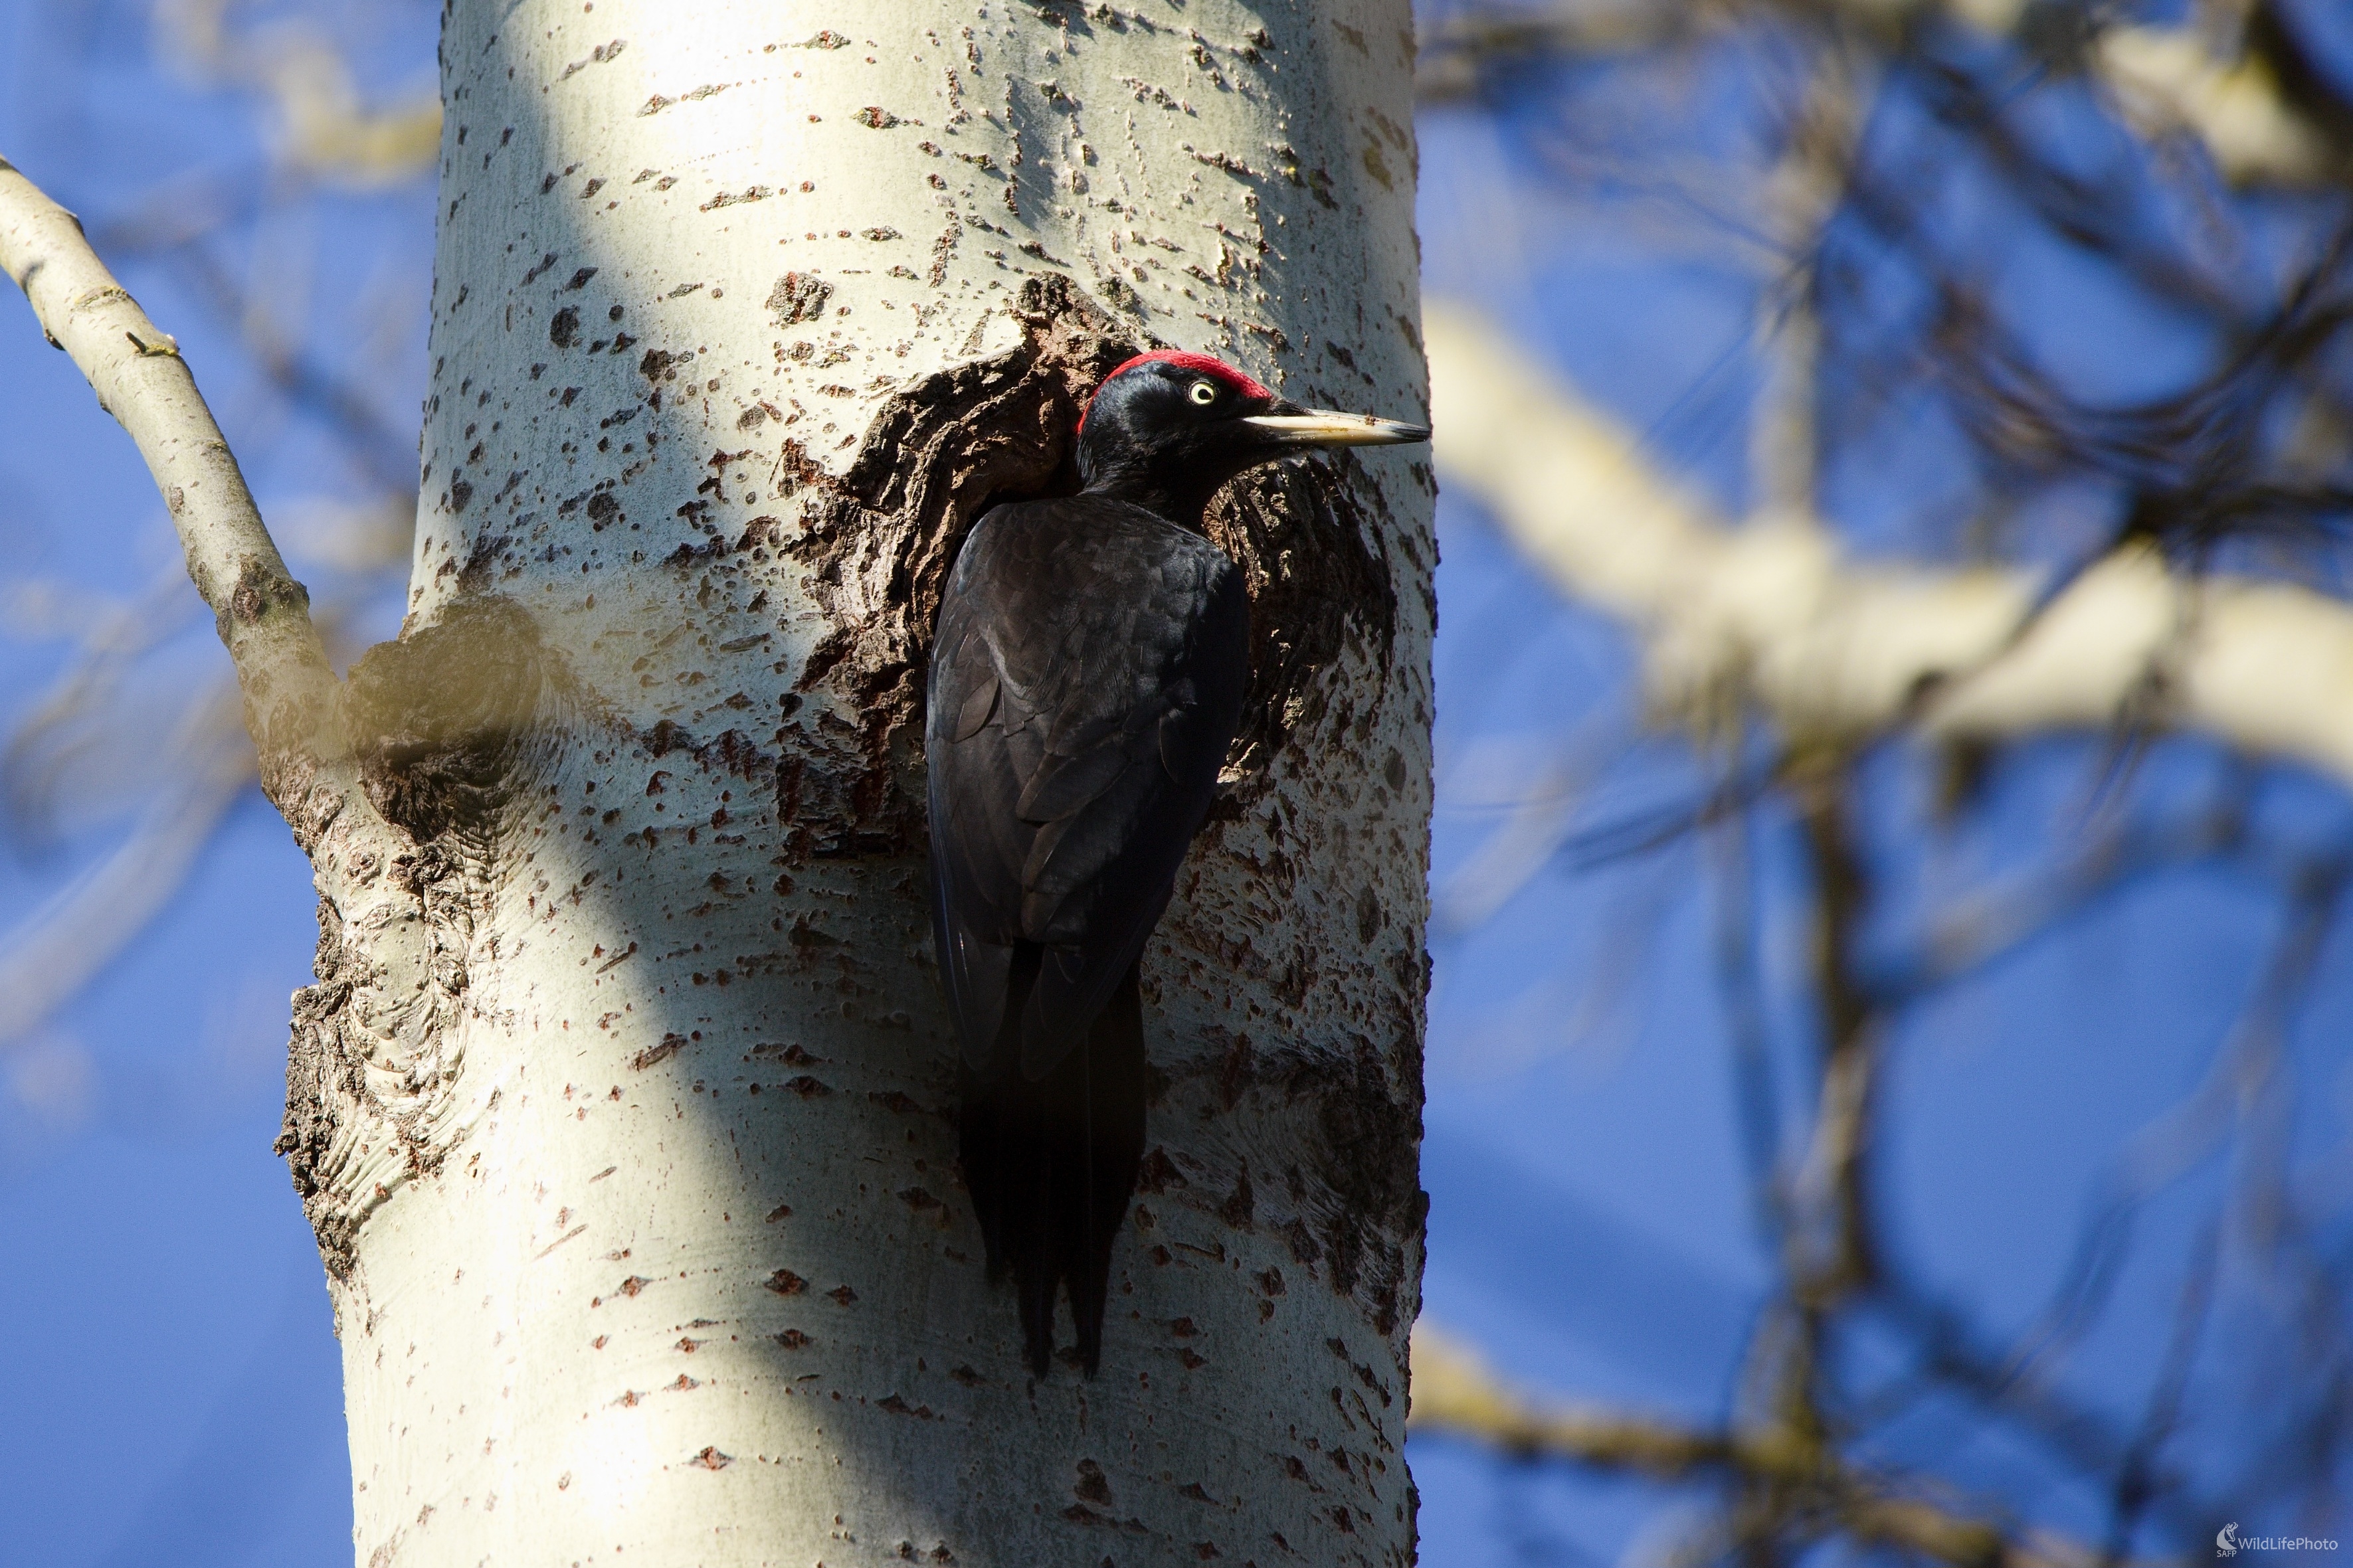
2169	81
140	377
1836	649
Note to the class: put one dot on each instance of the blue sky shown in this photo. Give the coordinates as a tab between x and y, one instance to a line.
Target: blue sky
168	1358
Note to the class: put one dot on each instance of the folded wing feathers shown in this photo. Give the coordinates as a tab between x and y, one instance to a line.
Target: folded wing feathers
1090	721
976	710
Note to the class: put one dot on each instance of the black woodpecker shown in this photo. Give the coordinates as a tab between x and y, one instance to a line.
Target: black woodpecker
1087	674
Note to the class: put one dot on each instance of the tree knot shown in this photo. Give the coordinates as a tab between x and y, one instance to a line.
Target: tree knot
452	718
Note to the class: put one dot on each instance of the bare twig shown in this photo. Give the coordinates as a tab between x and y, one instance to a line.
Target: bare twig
1803	192
1836	1255
1454	1393
2137	1479
1994	921
108	638
52	954
263	617
1735	937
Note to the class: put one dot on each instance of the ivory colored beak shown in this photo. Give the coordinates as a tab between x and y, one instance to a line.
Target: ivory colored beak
1327	428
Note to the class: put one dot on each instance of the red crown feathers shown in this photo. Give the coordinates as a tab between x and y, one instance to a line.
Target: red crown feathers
1200	365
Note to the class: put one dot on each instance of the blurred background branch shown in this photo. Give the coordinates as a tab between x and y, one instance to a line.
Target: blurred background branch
2044	379
1768	616
325	129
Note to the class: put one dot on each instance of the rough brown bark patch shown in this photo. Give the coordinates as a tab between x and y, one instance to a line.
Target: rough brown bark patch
334	1119
321	1083
1003	429
1302	541
449	719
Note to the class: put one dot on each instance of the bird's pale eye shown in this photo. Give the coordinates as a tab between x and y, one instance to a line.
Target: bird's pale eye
1204	393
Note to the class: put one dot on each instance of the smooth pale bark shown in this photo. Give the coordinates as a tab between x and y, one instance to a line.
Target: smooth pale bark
623	1113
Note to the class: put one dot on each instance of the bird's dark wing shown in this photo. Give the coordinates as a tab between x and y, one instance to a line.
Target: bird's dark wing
1088	675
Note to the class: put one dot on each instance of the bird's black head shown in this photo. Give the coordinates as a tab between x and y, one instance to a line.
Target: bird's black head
1167	429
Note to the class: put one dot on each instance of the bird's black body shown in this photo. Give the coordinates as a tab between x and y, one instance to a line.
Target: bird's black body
1087	674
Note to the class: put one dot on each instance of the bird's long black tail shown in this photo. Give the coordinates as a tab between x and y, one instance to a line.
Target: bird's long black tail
1053	1163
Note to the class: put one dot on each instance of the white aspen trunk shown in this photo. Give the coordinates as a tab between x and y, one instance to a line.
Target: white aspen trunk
622	1108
